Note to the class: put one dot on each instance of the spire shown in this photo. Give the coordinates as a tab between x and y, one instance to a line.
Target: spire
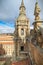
37	11
22	8
22	3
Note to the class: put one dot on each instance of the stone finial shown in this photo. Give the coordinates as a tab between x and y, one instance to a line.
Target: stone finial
22	8
37	11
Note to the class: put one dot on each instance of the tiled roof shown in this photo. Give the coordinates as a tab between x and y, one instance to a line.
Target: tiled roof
6	42
6	38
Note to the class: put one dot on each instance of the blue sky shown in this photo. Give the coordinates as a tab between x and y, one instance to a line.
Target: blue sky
9	11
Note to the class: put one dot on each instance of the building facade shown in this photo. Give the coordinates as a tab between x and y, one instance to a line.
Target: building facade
22	33
8	44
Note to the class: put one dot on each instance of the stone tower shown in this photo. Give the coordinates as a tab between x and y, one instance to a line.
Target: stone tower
37	15
22	32
37	12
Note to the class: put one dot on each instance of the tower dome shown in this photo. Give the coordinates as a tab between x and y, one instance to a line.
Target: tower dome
22	18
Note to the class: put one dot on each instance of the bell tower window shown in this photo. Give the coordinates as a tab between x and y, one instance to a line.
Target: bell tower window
22	48
22	31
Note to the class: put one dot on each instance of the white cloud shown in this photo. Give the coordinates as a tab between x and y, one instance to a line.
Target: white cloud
31	27
6	29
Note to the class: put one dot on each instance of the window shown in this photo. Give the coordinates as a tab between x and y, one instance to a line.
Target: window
22	48
22	31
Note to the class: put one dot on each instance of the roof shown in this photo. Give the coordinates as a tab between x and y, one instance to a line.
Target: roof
6	39
22	18
38	21
7	42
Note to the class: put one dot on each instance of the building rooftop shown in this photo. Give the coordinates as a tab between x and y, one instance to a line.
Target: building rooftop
6	39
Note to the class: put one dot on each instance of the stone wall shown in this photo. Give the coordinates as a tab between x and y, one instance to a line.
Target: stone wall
37	54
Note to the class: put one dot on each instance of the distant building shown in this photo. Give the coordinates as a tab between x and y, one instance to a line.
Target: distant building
8	44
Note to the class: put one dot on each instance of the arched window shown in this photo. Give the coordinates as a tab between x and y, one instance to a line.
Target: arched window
22	31
22	48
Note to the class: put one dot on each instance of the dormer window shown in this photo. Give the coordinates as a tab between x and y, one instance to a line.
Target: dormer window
22	31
